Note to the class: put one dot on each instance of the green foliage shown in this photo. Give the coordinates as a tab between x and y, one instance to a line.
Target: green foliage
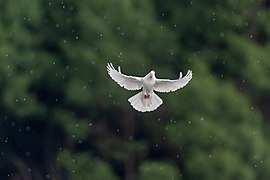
83	166
55	92
158	170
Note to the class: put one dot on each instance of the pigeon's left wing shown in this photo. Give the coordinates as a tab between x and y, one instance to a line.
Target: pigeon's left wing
127	82
167	85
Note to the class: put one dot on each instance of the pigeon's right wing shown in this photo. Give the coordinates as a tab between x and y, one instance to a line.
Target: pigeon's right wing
127	82
167	85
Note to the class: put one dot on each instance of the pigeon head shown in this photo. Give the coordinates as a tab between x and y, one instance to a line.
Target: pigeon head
152	74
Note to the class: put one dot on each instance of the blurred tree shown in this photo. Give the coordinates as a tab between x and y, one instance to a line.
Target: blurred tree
158	170
61	117
224	119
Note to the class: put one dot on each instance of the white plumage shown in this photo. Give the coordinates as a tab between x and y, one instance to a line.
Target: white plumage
147	100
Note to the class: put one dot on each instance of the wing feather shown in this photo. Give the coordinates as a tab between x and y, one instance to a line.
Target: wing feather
125	81
167	85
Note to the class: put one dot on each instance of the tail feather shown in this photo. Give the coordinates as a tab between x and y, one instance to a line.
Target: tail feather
139	103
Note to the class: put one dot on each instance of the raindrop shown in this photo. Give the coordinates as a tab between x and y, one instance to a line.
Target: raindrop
27	154
172	52
47	176
71	8
164	138
130	138
27	128
13	124
90	124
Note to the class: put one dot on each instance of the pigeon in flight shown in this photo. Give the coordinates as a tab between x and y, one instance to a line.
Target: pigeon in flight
147	100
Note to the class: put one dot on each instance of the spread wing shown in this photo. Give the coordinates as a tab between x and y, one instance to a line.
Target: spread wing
167	85
127	82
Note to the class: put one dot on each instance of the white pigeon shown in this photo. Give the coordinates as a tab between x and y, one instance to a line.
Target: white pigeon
147	100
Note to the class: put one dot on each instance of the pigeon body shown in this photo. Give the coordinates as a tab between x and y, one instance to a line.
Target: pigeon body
147	100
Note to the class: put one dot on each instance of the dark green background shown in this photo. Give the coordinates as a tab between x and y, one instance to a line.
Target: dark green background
63	118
